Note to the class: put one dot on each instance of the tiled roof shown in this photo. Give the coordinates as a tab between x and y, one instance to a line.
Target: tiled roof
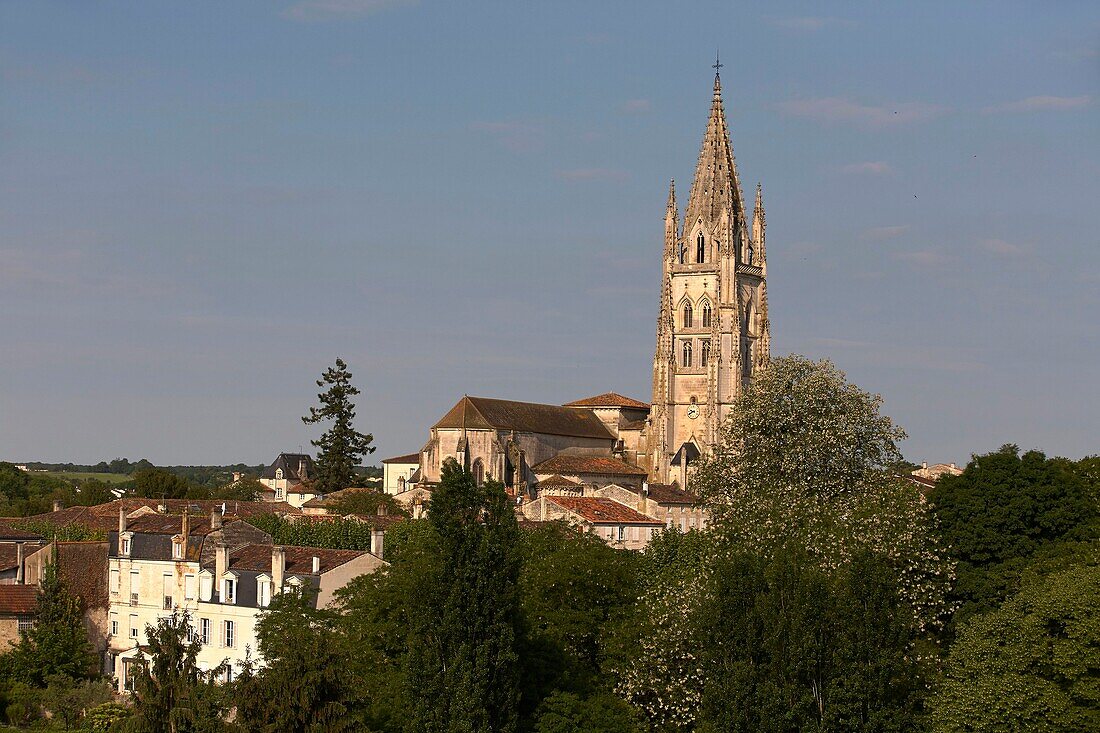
557	481
575	463
11	533
599	510
105	516
483	413
410	458
609	399
83	567
9	553
666	494
18	599
377	521
632	425
299	560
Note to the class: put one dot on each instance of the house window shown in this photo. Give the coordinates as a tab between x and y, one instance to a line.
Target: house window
227	675
622	533
124	546
177	550
114	625
204	630
116	580
704	354
24	622
687	353
206	587
263	593
133	626
190	634
706	315
688	315
135	584
190	587
279	494
229	590
229	634
700	248
278	473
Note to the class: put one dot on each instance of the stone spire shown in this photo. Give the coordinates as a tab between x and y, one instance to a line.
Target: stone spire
758	226
716	187
671	215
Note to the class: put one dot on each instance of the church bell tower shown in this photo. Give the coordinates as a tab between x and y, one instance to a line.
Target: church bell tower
712	327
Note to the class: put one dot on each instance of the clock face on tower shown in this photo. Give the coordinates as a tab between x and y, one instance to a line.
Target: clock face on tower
693	410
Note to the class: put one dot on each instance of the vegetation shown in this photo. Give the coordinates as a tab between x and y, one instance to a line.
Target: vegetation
338	534
341	446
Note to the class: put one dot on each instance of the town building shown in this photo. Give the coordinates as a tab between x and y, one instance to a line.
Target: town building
289	477
18	606
615	523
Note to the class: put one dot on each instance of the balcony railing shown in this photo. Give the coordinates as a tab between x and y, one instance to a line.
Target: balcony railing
133	599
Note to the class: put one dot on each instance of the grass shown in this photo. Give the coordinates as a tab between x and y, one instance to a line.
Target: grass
107	478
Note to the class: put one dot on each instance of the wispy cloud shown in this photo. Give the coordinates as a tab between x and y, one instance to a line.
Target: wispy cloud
1036	104
519	137
843	110
884	232
1002	248
927	258
592	174
870	167
808	23
314	10
635	106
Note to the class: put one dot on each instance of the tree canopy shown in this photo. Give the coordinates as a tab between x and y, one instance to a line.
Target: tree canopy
341	446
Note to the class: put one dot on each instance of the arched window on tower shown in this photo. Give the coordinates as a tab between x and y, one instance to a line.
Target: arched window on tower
683	254
750	254
688	315
706	315
687	353
700	248
478	472
704	354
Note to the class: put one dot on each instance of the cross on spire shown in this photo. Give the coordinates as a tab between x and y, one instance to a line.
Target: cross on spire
717	64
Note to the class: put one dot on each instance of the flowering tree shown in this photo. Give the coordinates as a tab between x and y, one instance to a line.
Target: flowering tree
806	457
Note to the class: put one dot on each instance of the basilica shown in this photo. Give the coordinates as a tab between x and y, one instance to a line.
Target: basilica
712	335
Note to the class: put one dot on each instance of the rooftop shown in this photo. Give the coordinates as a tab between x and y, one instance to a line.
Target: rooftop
576	463
410	458
18	599
609	399
483	413
599	510
299	560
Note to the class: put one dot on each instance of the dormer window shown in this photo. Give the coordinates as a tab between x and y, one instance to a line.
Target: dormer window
177	548
206	586
125	541
263	591
700	248
278	473
229	590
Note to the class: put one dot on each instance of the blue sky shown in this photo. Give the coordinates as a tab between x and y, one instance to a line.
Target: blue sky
203	204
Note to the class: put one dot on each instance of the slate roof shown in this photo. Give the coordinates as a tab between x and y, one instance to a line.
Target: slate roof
289	462
600	510
299	560
576	463
18	599
410	458
483	413
609	399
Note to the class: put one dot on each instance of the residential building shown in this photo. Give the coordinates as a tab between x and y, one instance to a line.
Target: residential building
18	605
400	473
289	477
615	523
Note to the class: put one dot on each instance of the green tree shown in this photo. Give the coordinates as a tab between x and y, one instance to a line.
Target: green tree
156	483
1006	509
13	482
806	456
246	488
303	653
366	502
564	712
171	693
57	644
787	646
462	669
341	446
1031	665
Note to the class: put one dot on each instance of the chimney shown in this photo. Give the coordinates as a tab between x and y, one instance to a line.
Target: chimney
924	464
278	567
643	496
121	520
58	505
316	565
162	508
19	563
376	537
221	563
215	519
185	526
382	510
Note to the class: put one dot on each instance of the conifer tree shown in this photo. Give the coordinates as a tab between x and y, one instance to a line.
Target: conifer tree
462	670
341	446
57	644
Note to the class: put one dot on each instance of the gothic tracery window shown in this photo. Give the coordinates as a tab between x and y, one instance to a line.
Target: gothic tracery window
704	354
750	254
478	472
687	353
688	315
683	253
706	315
700	248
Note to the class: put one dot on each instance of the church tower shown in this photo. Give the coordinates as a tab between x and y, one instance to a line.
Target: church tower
712	327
